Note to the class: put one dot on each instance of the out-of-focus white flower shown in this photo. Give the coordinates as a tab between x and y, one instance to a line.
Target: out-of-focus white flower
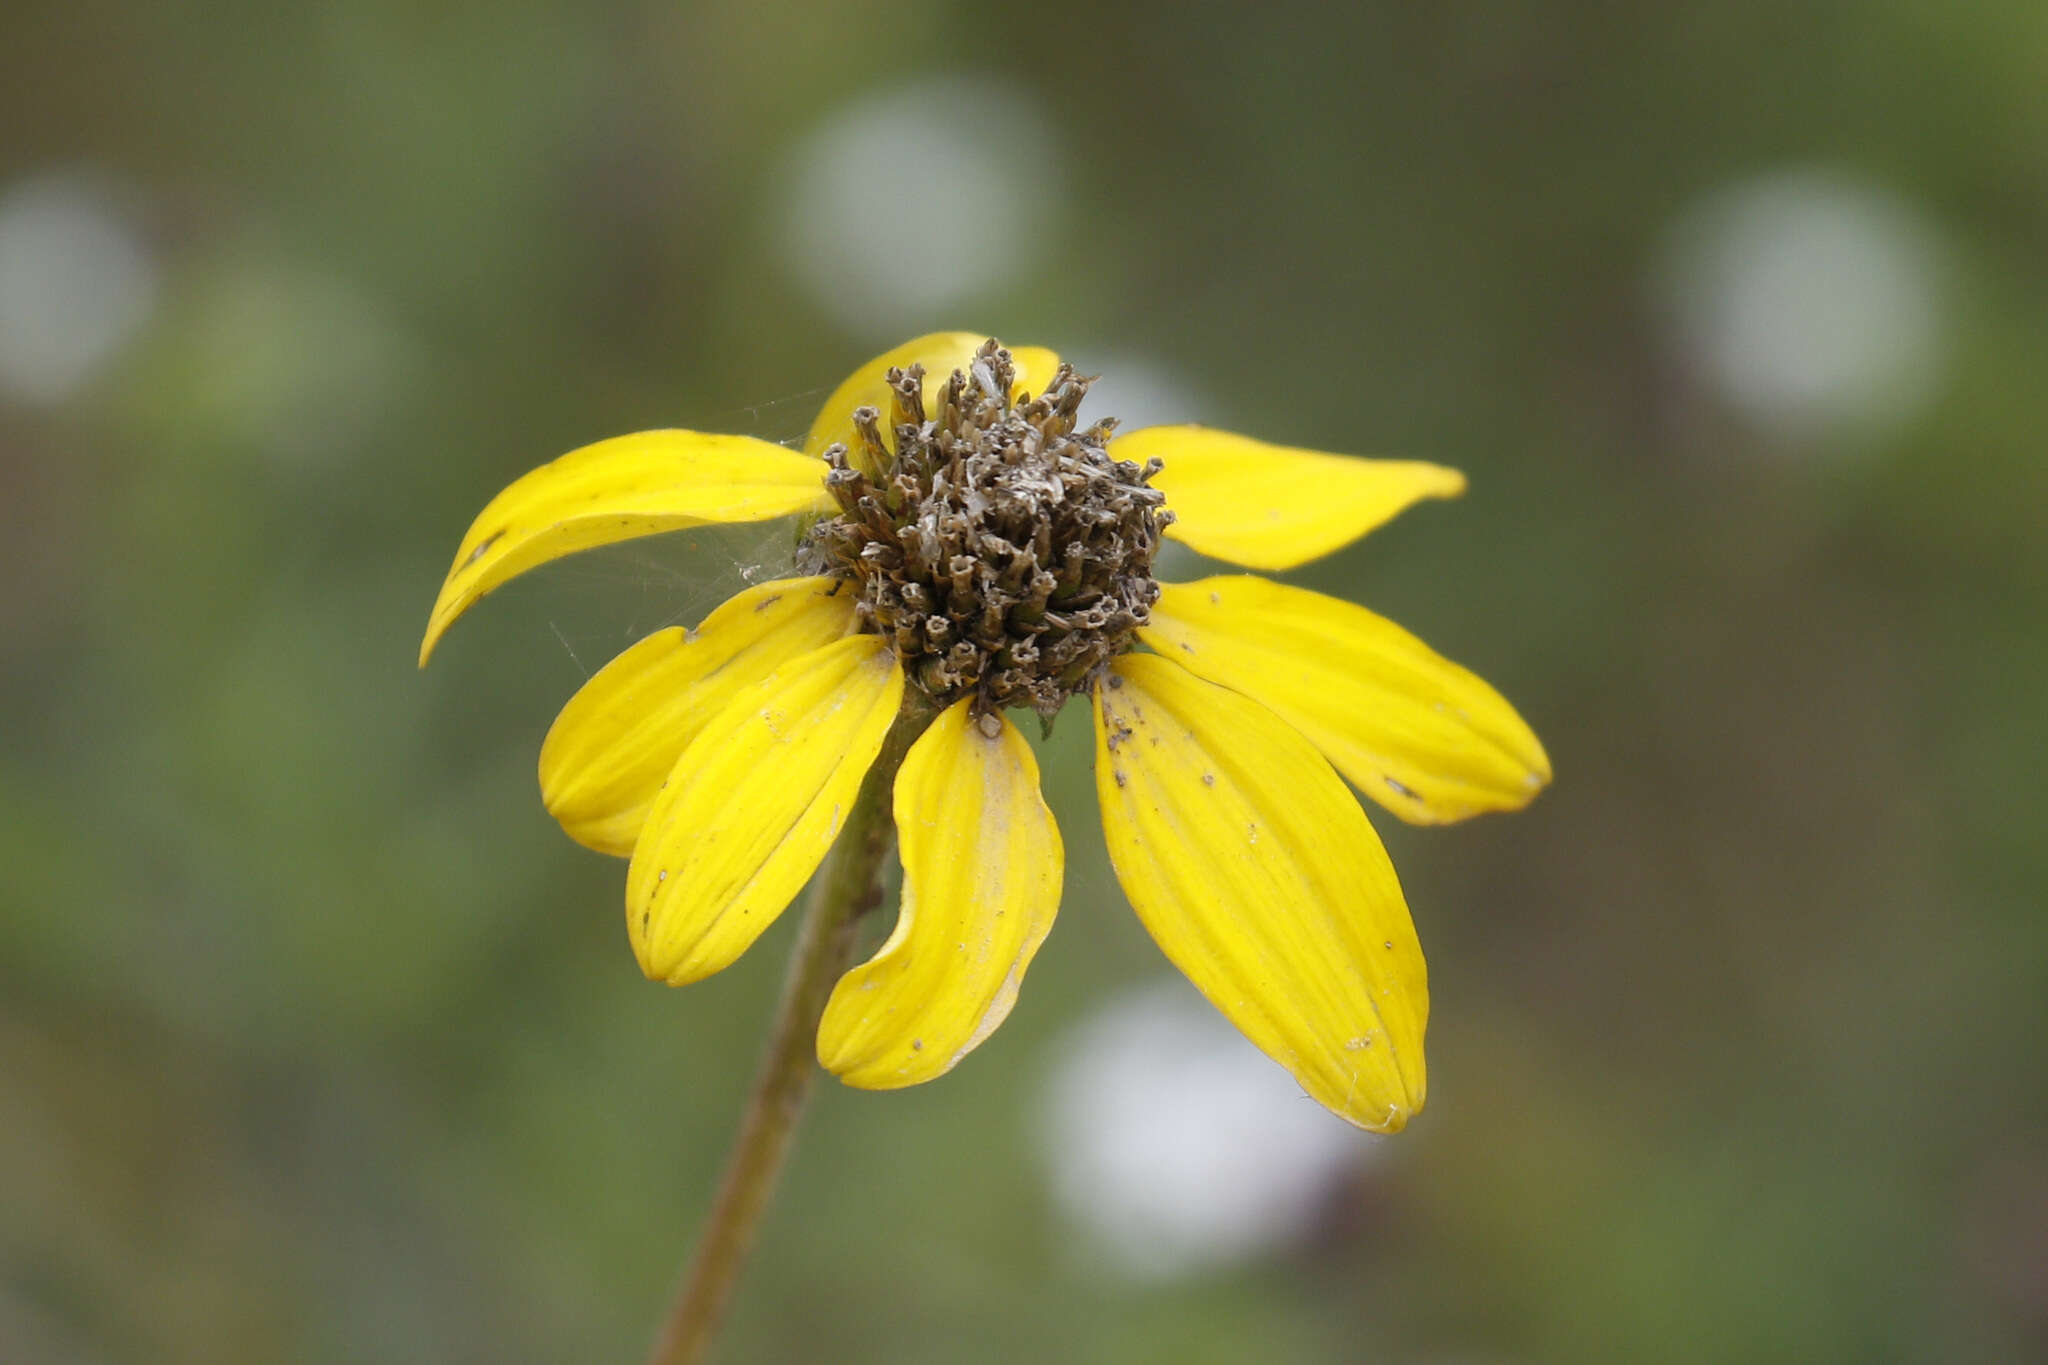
1808	300
901	204
76	284
1176	1147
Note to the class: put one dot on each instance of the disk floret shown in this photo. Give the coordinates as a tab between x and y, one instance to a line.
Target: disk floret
1000	550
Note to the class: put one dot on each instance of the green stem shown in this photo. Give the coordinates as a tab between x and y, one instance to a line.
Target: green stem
848	885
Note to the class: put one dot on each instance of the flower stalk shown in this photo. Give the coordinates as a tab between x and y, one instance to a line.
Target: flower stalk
847	887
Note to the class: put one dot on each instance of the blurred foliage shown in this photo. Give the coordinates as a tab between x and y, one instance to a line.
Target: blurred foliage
317	1042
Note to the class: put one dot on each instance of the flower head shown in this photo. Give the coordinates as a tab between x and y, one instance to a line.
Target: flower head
1005	554
969	547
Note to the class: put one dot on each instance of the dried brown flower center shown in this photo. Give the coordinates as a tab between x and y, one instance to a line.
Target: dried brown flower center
1001	551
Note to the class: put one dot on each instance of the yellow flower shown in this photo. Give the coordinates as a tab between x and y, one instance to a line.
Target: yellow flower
969	548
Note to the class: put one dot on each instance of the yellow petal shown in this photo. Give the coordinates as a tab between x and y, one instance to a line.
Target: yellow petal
753	804
616	490
1273	507
1423	737
1035	369
614	743
1257	873
981	881
941	353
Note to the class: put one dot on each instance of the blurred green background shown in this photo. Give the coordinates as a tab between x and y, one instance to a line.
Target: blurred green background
318	1042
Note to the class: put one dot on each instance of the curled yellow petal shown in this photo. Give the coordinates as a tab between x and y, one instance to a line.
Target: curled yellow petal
1423	737
753	804
1256	872
1273	507
614	743
941	353
617	490
981	882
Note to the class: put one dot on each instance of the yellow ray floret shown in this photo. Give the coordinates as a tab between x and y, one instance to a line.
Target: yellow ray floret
1273	507
613	745
753	804
981	882
1256	872
1415	732
617	490
941	353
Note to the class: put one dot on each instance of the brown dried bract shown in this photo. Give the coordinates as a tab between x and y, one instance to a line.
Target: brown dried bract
1003	553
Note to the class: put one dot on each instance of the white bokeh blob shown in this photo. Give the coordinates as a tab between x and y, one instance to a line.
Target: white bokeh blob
76	285
1808	300
1176	1147
907	202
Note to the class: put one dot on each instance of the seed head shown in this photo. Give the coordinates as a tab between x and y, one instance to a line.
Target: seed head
1000	550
